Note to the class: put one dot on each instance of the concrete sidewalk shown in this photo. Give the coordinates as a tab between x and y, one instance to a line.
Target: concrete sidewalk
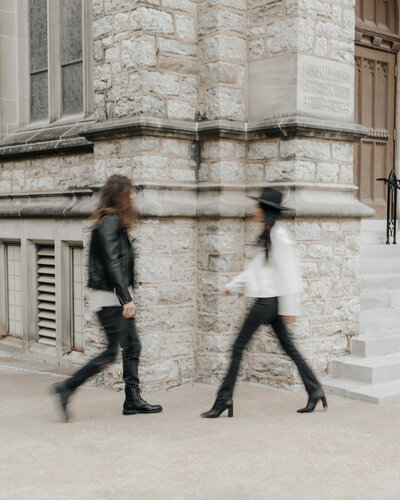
266	451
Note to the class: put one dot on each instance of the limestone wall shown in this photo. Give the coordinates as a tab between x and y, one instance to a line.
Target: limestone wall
317	27
234	95
55	173
146	58
300	160
165	296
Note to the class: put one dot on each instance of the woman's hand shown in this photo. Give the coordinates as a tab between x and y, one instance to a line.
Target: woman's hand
129	310
289	319
224	291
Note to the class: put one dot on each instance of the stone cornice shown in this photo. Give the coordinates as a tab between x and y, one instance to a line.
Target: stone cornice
79	137
67	204
288	126
192	200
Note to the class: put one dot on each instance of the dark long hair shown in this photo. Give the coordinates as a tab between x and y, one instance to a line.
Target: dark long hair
271	215
114	199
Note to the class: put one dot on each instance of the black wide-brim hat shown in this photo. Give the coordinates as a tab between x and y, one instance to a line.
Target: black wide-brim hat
271	197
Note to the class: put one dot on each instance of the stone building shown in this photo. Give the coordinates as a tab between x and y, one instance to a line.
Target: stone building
200	102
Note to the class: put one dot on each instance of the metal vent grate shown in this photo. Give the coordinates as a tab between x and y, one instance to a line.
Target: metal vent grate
46	286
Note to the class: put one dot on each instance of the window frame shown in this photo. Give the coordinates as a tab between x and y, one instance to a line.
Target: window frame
54	65
72	247
7	246
4	299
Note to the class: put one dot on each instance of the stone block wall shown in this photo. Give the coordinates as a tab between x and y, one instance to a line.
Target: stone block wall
315	27
165	260
54	173
328	250
186	327
219	258
165	298
223	59
300	160
146	58
193	64
222	161
144	159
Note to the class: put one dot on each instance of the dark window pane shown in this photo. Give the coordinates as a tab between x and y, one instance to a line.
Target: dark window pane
71	22
39	96
72	67
38	34
72	83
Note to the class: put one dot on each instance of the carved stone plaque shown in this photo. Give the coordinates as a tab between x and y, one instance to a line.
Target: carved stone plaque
325	88
298	84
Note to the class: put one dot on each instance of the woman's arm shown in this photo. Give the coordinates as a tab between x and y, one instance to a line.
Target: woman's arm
235	285
109	233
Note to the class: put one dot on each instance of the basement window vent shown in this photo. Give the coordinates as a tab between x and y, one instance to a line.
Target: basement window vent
46	286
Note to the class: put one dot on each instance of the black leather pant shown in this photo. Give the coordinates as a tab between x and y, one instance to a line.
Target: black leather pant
119	330
265	312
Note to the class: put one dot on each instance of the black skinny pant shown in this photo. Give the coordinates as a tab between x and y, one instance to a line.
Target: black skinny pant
119	330
265	312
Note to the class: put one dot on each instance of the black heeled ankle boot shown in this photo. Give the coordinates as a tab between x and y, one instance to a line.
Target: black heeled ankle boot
312	402
134	403
64	393
219	407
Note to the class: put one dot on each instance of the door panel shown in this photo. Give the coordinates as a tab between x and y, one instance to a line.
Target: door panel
375	109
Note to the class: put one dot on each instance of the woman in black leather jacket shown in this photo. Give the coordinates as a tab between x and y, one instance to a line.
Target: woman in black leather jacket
111	263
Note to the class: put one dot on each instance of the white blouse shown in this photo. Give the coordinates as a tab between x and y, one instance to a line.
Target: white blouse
279	276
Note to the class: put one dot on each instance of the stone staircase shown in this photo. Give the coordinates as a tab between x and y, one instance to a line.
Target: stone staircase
372	371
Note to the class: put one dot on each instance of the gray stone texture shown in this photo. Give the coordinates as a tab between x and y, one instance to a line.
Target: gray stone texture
190	60
134	45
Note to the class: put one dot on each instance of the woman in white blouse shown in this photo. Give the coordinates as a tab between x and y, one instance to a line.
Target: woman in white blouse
274	280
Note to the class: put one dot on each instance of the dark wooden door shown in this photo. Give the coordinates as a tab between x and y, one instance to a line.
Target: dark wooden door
375	103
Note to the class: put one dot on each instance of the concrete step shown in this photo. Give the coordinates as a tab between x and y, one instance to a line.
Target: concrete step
380	265
376	345
388	281
375	298
378	298
373	237
373	232
379	251
379	319
372	370
387	392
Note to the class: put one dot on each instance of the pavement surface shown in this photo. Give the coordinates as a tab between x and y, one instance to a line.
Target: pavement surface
267	451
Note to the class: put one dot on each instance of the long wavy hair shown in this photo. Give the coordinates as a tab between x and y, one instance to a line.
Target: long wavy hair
270	217
115	199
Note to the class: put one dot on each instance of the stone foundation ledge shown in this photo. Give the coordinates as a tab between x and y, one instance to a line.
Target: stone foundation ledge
193	200
78	137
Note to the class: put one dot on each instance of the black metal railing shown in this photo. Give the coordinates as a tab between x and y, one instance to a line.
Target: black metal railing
391	217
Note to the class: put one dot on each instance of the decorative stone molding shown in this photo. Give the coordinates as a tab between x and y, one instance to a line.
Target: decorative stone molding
192	200
75	203
78	137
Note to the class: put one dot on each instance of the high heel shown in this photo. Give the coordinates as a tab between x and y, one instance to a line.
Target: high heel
63	392
312	403
219	407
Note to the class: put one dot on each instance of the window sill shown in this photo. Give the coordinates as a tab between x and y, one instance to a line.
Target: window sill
41	138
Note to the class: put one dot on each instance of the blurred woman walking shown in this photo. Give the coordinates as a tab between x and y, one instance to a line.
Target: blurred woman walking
111	264
273	279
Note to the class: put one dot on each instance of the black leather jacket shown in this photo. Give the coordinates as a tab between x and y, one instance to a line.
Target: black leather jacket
111	258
